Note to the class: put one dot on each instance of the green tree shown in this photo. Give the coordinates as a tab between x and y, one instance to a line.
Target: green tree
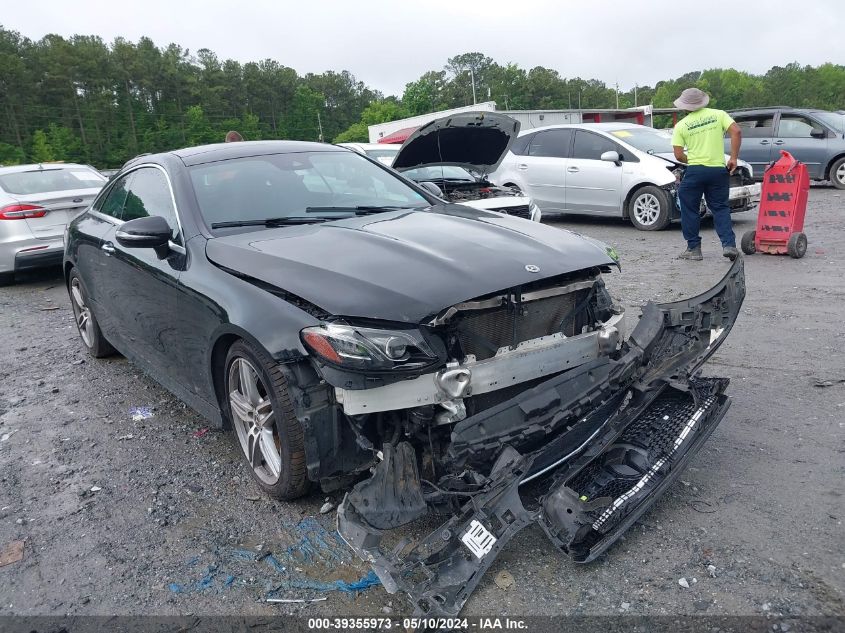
198	129
65	144
11	155
41	151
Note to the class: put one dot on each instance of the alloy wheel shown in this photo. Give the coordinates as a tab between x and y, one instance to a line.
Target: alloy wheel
840	174
253	419
647	209
81	313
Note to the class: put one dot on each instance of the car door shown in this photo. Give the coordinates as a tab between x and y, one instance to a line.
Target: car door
95	228
143	289
804	138
593	186
757	138
543	168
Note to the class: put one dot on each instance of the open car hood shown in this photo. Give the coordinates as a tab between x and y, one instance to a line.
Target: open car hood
477	141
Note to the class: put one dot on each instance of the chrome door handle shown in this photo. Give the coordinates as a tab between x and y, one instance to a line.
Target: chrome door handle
779	142
764	142
572	170
108	247
522	166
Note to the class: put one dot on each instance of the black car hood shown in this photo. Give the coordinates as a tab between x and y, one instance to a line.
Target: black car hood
404	265
477	141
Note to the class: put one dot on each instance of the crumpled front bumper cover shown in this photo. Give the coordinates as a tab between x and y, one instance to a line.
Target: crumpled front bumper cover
610	437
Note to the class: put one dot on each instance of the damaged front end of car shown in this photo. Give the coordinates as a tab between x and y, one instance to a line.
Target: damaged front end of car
578	431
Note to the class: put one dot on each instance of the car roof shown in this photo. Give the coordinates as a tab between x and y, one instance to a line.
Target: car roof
12	169
769	109
602	127
241	149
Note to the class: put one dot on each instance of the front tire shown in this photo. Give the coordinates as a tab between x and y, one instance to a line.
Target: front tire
837	173
86	322
263	422
648	209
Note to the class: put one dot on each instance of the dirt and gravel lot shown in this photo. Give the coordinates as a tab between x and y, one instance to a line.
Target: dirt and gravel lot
158	516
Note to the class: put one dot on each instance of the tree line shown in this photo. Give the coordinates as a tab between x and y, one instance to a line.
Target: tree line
82	99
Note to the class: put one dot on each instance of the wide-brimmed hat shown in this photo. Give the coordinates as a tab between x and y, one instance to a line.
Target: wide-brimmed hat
692	99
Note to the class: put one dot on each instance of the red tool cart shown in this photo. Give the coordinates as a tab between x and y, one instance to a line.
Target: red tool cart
783	203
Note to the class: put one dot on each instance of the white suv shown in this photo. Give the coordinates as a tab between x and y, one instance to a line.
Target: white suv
609	169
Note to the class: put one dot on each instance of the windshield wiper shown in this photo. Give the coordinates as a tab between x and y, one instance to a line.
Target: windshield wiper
270	222
361	209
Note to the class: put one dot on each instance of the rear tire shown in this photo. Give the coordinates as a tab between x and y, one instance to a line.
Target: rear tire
260	410
648	209
747	244
837	173
797	245
86	322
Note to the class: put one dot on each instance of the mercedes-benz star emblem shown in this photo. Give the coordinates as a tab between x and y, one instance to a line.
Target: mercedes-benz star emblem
531	268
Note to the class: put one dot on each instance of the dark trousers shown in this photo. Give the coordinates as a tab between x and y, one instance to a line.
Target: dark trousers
714	184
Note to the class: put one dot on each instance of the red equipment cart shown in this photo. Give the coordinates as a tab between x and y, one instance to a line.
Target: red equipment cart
783	203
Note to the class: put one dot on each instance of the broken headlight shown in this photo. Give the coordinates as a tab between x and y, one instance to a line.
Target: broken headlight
368	348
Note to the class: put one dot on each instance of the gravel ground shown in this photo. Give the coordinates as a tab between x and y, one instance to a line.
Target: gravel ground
159	516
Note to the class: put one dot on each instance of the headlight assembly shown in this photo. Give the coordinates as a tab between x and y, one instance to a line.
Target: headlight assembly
368	348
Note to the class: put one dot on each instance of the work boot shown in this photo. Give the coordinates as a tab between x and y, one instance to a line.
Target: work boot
692	253
730	252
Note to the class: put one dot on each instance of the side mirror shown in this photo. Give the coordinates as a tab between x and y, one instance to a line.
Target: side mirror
818	133
612	157
150	232
431	188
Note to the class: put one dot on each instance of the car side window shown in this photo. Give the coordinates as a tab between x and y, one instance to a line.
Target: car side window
758	126
591	146
111	203
149	194
797	126
520	145
551	143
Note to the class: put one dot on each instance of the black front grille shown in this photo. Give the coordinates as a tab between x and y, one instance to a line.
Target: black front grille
521	211
483	332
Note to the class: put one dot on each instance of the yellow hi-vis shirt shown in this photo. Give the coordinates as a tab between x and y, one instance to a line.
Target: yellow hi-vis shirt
703	132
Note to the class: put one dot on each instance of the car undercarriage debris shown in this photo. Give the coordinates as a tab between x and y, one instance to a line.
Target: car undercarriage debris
600	442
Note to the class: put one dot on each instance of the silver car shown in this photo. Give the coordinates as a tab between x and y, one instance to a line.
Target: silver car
609	169
815	137
36	203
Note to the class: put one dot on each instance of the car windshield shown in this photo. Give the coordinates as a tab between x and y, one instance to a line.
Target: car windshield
51	179
441	172
833	119
384	156
646	139
294	185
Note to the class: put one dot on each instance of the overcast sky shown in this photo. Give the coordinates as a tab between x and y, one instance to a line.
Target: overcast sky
386	44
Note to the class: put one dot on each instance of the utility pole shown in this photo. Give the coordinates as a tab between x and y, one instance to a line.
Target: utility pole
472	77
635	95
320	125
617	95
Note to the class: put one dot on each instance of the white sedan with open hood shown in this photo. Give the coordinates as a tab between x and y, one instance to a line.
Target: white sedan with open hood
456	153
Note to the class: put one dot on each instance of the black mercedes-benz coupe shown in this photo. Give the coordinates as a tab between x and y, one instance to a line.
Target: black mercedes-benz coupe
356	332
